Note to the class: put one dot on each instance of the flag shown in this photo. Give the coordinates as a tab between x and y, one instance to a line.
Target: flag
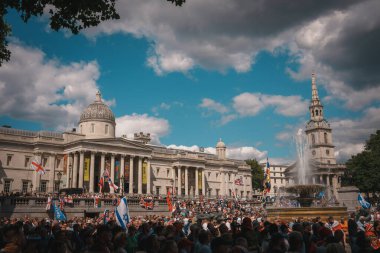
266	182
122	213
100	184
97	202
169	201
61	203
363	202
114	186
106	216
48	205
37	167
58	214
321	195
106	173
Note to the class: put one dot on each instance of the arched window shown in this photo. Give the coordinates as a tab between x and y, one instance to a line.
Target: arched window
316	112
106	130
325	135
92	128
312	113
327	152
312	139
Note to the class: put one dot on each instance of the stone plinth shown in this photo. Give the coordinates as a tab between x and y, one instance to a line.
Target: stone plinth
288	214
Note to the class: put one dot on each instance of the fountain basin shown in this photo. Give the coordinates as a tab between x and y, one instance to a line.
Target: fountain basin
306	213
305	193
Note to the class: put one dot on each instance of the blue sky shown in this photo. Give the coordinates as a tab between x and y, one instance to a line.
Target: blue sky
191	80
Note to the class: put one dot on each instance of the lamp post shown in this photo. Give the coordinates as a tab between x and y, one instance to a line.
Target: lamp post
31	187
70	175
59	176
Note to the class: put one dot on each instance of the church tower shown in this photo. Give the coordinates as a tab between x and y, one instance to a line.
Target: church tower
318	130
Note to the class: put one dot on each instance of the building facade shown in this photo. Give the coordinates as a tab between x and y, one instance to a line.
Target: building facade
81	157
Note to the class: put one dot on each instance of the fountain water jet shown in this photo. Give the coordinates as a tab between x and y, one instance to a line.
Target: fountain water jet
303	157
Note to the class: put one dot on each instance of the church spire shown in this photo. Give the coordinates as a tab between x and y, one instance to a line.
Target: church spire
316	108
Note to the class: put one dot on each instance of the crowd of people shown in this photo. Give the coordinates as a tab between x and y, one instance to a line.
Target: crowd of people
212	226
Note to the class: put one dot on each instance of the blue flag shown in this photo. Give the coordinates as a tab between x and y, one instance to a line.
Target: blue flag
122	213
58	214
363	202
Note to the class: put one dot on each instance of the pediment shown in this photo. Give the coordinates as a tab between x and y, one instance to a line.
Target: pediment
117	142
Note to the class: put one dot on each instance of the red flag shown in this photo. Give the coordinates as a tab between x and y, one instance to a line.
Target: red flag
168	200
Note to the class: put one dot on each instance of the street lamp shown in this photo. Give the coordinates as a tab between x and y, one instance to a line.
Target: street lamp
31	187
59	176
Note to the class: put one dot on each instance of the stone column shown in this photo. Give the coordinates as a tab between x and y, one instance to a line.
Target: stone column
313	180
122	161
81	163
75	171
148	177
139	174
131	174
52	158
112	172
321	179
196	182
186	181
36	176
69	171
179	193
203	182
102	164
328	180
173	178
92	172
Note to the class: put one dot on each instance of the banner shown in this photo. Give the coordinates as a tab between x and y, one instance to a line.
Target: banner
117	172
144	168
86	176
200	180
126	172
65	157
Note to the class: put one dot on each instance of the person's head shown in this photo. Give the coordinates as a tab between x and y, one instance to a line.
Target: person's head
13	234
295	241
169	246
103	233
335	248
247	223
223	228
315	228
152	244
120	240
242	242
278	242
330	219
339	235
185	244
204	237
297	227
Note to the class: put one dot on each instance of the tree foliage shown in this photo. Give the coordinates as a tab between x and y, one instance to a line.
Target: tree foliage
73	15
257	174
364	167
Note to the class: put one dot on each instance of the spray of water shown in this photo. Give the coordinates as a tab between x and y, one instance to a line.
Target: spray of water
303	157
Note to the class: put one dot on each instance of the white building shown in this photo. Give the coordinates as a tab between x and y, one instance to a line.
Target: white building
78	159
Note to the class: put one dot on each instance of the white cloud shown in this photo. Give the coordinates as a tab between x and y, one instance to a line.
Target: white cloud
212	105
250	104
240	153
350	134
46	91
135	123
284	136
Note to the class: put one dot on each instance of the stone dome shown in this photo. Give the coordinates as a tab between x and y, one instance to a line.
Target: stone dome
97	111
220	144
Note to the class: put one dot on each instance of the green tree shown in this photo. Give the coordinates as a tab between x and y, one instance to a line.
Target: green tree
73	15
257	174
363	168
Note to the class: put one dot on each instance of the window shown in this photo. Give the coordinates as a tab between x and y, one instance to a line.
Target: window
229	179
230	192
325	135
158	171
43	186
312	139
58	163
9	159
313	152
56	185
275	180
106	130
241	193
92	128
25	185
316	112
7	185
167	173
281	181
27	160
80	128
44	161
327	152
157	190
328	161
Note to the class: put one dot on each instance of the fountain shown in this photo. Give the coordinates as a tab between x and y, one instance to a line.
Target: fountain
303	191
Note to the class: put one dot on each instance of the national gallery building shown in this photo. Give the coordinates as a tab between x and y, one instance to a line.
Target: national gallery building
80	158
